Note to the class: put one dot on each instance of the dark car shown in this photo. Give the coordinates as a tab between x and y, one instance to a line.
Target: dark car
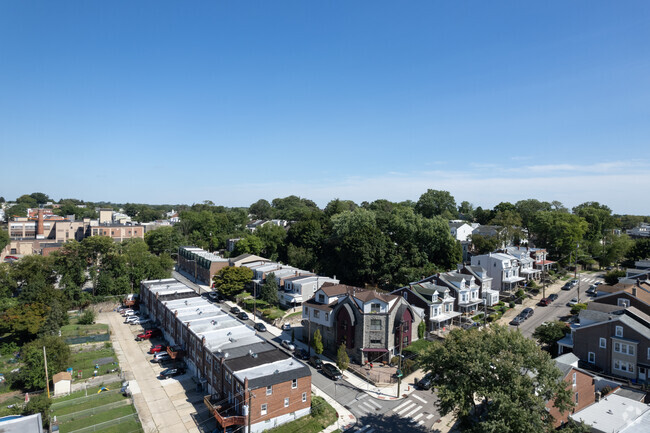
235	310
242	315
171	372
518	320
315	361
552	297
302	354
331	371
260	327
544	302
214	296
526	313
567	286
426	382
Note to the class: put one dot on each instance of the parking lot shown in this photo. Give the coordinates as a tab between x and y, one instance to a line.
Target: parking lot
169	405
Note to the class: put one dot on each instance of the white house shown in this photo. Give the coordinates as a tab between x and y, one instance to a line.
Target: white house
460	230
502	268
299	288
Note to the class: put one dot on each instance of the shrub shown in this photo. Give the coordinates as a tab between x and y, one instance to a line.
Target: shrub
577	308
511	304
87	318
9	348
317	406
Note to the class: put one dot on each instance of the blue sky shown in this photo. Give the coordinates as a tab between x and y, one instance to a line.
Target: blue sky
180	102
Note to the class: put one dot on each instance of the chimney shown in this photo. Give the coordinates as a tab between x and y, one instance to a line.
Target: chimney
598	396
634	289
40	231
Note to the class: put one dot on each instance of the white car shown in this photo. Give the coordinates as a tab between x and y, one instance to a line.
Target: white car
139	321
287	345
130	313
572	302
131	319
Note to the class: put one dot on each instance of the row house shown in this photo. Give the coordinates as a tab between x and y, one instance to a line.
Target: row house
372	326
463	289
617	343
502	268
436	302
581	384
298	289
527	268
489	296
251	383
201	264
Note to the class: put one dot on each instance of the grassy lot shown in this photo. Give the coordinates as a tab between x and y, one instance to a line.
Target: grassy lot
101	399
323	416
85	361
418	346
131	426
77	394
74	330
86	421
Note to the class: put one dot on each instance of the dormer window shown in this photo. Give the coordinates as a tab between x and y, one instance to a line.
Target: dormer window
321	298
375	308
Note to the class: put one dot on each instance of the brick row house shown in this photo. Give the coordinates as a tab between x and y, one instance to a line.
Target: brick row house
250	382
371	325
200	264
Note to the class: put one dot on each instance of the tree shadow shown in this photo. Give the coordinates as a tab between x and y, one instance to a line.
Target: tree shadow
382	423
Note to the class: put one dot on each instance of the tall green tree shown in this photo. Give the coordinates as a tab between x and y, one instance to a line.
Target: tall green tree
261	209
231	280
435	202
4	239
549	333
33	370
251	244
342	358
163	240
273	241
269	290
558	232
24	320
495	379
640	250
317	342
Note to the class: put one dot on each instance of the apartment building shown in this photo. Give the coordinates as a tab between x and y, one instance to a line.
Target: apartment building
250	383
202	265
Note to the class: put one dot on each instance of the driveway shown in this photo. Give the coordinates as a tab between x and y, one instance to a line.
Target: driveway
163	405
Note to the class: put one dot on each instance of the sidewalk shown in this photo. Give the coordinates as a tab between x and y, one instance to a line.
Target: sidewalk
346	419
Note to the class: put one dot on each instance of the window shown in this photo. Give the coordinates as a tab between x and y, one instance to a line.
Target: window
321	298
591	358
304	397
294	384
648	352
619	331
269	390
406	295
576	398
374	308
327	316
228	377
316	314
286	402
623	302
375	324
264	409
603	343
574	379
375	341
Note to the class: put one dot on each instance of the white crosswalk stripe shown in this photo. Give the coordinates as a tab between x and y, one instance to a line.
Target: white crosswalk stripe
410	414
418	416
370	407
372	403
406	403
430	416
406	408
419	398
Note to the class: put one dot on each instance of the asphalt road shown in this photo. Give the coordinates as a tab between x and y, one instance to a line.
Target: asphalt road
558	310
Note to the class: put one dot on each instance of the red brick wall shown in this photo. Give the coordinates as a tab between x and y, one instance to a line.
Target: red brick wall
586	395
275	402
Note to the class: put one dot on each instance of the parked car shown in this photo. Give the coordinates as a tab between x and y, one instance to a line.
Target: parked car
567	286
574	282
426	382
131	319
572	302
518	320
126	392
160	357
215	296
242	315
544	302
287	345
552	297
315	361
593	290
526	312
149	334
331	371
260	327
157	348
131	313
286	326
139	321
301	354
235	310
171	372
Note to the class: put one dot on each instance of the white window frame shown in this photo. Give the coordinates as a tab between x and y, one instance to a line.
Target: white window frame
286	402
619	331
304	397
574	379
602	343
591	357
294	383
264	409
622	302
269	390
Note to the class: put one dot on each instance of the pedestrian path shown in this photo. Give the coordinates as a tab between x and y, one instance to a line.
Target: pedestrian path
411	409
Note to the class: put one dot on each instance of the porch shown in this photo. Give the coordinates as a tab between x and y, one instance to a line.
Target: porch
225	413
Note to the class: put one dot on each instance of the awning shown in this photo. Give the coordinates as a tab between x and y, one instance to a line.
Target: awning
374	350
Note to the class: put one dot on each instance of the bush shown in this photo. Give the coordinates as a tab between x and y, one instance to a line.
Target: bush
87	318
9	348
612	277
577	308
317	406
511	304
520	293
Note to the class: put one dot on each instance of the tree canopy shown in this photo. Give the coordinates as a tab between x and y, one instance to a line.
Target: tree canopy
230	281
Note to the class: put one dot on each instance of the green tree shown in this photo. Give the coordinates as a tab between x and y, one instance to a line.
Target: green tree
32	371
577	308
71	264
486	379
273	240
27	200
39	404
231	280
261	209
434	202
24	320
466	210
4	239
294	208
640	250
337	206
342	358
39	197
528	208
484	244
615	249
251	244
269	290
558	232
87	318
422	329
163	240
549	333
511	223
8	284
317	342
57	317
612	277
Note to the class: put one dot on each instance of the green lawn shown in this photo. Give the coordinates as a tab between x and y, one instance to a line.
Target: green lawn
107	415
418	346
131	426
77	394
74	330
100	400
310	423
85	361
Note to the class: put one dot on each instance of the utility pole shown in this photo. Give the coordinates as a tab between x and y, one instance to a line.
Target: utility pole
399	368
47	380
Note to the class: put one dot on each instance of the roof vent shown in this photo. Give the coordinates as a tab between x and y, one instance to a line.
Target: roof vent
226	355
254	355
276	372
186	302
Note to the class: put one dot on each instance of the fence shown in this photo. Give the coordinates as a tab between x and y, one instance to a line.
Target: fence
88	339
374	375
92	410
78	400
103	425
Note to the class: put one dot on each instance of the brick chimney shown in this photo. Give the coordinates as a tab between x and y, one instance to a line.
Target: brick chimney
40	230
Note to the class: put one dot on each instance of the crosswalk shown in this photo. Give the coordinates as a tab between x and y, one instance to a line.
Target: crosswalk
409	409
590	280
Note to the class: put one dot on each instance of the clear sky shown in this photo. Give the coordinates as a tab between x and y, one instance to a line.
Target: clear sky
233	101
